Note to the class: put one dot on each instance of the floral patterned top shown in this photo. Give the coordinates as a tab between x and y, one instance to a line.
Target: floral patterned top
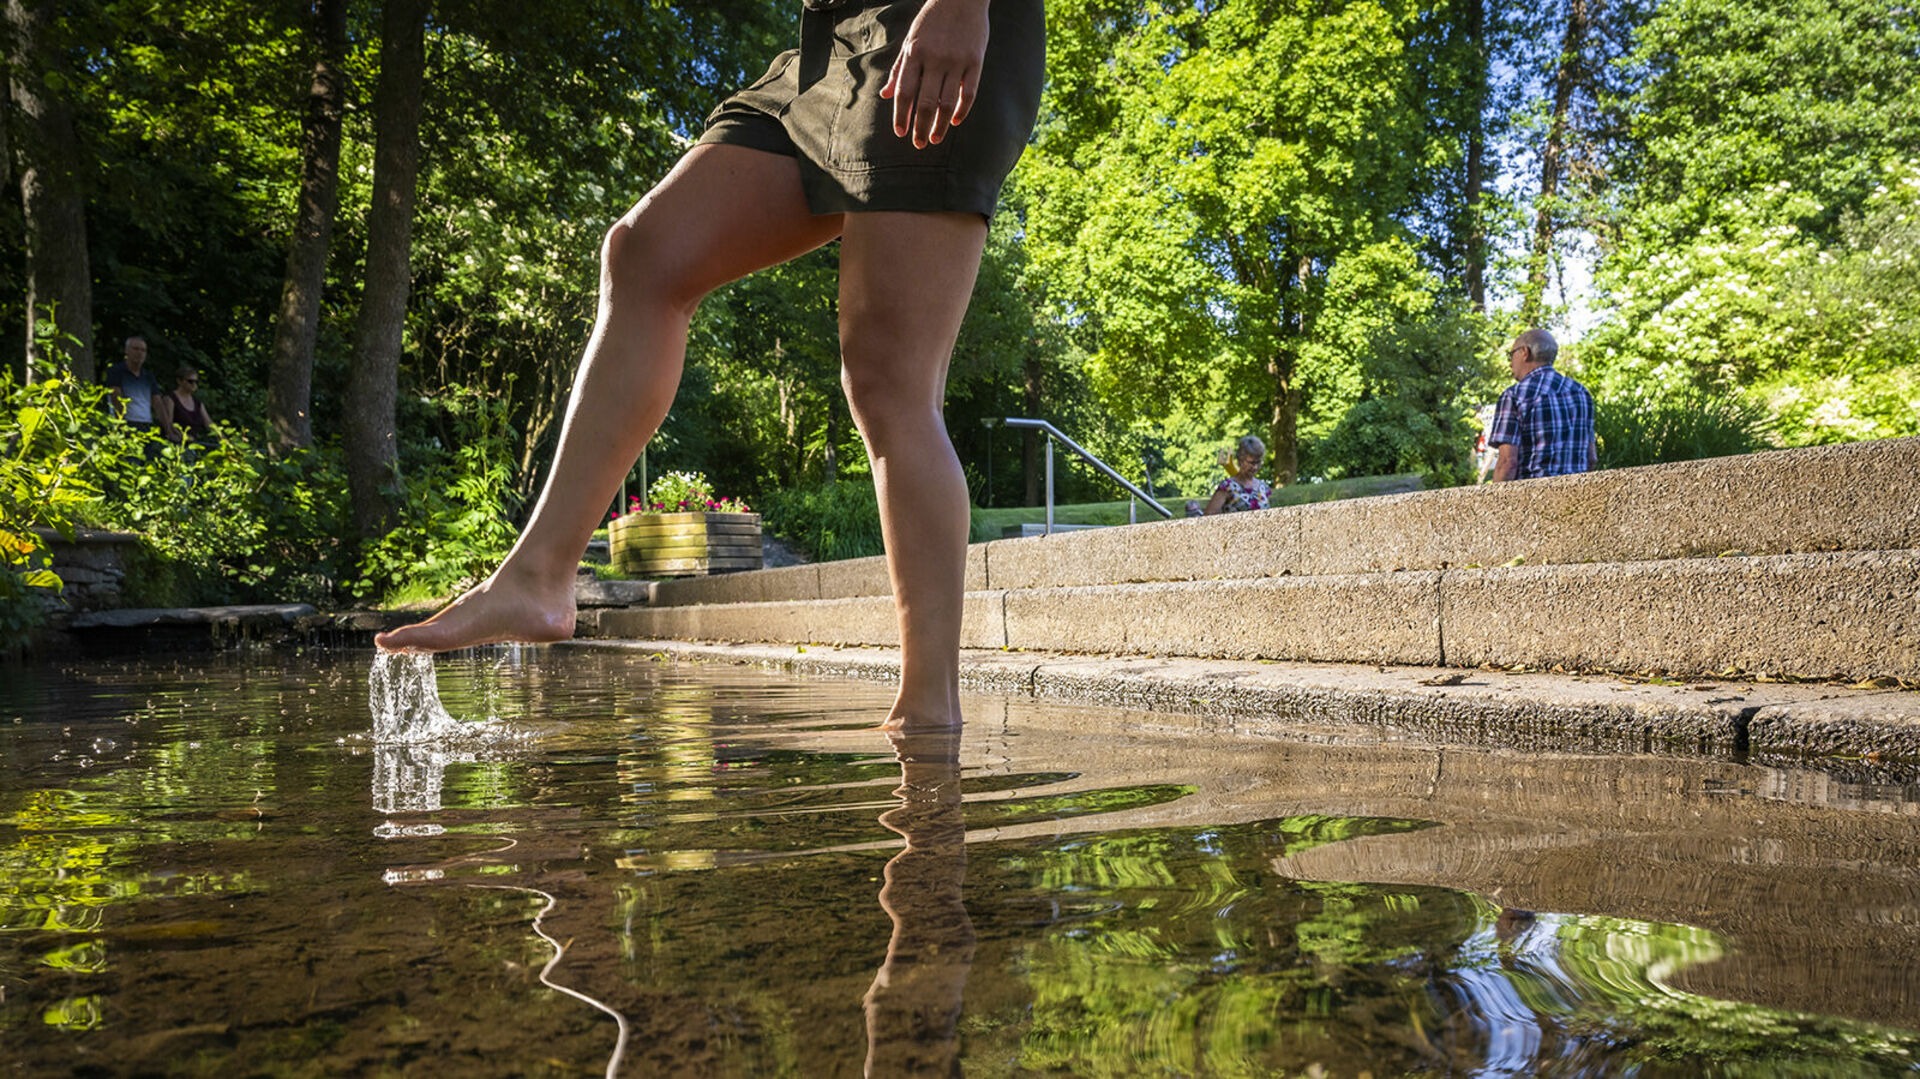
1254	495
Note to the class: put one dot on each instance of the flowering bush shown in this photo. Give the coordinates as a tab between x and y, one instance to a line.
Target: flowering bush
684	492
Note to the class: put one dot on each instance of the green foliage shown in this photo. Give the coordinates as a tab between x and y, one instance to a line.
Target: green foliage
1825	335
1271	145
1393	373
40	485
217	524
1735	96
1651	429
1764	237
830	521
454	522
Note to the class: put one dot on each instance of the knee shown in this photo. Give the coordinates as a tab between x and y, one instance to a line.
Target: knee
886	405
638	261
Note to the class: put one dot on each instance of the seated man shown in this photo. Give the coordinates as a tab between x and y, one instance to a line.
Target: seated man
1543	425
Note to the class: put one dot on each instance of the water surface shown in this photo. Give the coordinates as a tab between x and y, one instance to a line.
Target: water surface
207	867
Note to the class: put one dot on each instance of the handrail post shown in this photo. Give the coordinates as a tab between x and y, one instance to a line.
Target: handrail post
1049	485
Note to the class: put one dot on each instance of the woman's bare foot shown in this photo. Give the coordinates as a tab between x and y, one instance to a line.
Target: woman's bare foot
932	713
498	609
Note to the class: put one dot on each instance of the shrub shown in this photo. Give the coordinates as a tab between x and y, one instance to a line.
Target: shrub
1647	429
830	522
455	514
1383	436
39	485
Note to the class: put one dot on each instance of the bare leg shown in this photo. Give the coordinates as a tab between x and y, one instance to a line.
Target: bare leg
722	213
905	280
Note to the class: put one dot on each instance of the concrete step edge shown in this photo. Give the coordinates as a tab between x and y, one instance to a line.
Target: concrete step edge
1869	731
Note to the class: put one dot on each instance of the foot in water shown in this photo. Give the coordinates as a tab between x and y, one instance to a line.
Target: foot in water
933	714
492	612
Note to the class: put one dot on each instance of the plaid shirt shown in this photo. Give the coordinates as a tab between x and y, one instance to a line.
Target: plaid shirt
1548	420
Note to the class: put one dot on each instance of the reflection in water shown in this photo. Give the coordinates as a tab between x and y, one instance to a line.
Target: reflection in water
559	952
697	852
408	778
913	1007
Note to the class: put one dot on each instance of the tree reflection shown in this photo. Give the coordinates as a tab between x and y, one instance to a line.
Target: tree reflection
913	1006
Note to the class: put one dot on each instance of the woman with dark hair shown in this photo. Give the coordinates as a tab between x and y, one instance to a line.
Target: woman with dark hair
183	416
890	129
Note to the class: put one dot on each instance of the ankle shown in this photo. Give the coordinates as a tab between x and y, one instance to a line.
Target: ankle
526	573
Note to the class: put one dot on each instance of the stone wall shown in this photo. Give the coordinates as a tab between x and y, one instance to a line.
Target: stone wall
93	571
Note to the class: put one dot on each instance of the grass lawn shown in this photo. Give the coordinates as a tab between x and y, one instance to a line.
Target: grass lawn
989	524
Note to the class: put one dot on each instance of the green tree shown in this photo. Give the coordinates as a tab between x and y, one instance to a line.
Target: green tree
380	329
1191	218
1734	96
1762	241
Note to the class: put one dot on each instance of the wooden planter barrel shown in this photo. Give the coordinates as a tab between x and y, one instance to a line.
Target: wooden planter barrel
684	544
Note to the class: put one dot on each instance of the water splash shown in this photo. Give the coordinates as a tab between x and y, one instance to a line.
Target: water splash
405	701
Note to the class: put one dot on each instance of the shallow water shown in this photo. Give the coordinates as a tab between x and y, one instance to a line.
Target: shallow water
208	867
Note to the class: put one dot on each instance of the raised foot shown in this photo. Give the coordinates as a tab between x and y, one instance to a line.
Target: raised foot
492	613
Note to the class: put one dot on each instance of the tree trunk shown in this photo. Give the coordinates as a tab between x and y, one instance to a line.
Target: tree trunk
1029	438
59	276
290	385
1283	449
1566	76
1283	420
832	462
1476	236
379	331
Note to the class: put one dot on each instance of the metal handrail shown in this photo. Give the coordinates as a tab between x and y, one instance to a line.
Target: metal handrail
1052	433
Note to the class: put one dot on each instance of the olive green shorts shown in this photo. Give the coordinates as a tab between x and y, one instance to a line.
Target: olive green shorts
821	103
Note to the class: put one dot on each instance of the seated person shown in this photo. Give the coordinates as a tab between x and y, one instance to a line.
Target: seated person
1243	490
183	417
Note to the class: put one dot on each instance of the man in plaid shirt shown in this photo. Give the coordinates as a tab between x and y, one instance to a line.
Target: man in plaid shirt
1543	425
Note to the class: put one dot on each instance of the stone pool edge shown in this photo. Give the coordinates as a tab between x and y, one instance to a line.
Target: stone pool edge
1516	710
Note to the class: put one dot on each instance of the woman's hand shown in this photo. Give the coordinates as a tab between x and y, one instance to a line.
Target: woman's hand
937	75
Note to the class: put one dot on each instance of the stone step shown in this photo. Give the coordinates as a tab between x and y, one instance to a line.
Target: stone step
166	629
1849	614
1857	497
593	592
1030	529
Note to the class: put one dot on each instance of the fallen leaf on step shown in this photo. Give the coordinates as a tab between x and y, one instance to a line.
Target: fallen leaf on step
1453	679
